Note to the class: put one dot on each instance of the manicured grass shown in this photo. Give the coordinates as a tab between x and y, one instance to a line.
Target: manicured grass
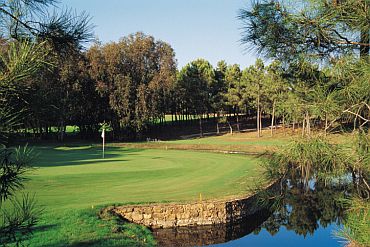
71	181
68	175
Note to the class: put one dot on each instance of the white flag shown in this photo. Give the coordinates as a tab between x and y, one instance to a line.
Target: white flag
103	134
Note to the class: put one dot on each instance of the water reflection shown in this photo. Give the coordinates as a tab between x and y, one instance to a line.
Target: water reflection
303	209
294	207
206	235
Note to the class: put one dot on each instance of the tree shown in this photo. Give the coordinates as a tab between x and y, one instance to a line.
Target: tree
19	62
233	78
135	78
31	19
335	34
23	53
276	89
218	91
255	90
194	82
318	29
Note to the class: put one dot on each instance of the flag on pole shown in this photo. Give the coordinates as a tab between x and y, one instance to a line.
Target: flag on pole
103	136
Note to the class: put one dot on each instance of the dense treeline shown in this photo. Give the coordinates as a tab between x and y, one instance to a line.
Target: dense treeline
132	84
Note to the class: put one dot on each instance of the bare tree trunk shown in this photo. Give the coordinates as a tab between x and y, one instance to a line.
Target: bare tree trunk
218	129
293	129
272	118
237	120
231	128
260	122
258	112
308	124
306	130
200	126
61	130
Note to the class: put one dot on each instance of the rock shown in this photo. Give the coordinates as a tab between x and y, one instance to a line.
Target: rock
170	215
137	217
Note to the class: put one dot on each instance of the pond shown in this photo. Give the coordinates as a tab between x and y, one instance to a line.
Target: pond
297	214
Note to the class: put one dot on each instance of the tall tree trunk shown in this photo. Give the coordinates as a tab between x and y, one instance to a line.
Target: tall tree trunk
258	112
237	120
218	129
303	126
272	118
260	122
307	129
231	128
61	131
200	126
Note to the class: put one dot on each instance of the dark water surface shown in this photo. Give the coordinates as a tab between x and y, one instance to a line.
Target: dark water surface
295	215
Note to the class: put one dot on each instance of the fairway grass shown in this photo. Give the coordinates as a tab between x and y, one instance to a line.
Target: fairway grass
71	182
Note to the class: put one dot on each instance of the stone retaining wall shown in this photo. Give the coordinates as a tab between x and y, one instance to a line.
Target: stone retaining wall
177	215
209	234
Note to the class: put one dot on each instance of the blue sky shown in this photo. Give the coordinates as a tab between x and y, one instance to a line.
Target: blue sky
194	28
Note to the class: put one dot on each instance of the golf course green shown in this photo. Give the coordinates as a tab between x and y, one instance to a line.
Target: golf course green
71	183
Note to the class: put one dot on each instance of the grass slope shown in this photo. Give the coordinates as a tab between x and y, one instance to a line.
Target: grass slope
70	182
238	142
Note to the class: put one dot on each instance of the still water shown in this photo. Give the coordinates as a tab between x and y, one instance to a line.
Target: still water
295	215
321	237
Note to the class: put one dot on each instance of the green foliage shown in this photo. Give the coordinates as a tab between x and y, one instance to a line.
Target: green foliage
357	223
309	158
194	83
235	86
17	223
135	79
105	126
19	62
13	169
17	216
23	54
315	29
32	19
315	158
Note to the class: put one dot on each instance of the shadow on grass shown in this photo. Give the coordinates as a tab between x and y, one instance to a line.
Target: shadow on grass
108	242
43	228
75	155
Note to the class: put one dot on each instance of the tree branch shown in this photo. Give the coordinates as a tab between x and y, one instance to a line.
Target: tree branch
30	28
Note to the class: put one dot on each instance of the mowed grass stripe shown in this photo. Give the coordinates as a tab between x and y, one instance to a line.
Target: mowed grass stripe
77	177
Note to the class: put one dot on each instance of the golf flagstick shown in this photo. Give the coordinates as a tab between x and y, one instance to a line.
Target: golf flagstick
103	136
